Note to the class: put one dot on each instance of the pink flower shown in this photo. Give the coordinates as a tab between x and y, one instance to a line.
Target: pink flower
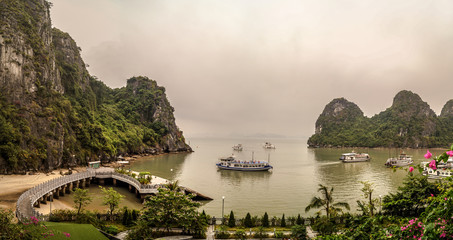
450	153
411	169
432	164
428	155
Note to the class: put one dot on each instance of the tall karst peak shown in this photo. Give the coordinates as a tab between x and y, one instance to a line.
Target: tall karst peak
409	122
447	110
54	114
338	110
340	107
408	104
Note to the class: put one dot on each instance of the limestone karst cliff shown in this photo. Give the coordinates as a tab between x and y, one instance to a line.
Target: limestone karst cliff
409	122
53	113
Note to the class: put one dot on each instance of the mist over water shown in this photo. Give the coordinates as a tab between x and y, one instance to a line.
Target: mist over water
288	188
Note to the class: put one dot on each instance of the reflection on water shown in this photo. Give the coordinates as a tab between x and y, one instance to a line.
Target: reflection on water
236	177
291	184
168	166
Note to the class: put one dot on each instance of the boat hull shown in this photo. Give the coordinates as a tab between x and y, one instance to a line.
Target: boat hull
356	160
399	164
248	169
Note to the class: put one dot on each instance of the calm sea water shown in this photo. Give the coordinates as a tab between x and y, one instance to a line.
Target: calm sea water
288	188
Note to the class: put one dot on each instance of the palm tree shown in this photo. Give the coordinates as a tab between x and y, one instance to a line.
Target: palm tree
173	186
326	202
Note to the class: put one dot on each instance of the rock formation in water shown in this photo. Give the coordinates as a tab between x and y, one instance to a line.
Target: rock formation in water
409	122
54	114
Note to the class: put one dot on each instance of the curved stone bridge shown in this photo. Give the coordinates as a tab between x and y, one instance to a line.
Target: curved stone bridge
65	184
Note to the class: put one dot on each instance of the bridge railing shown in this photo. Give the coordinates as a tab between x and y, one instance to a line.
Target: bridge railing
29	197
128	179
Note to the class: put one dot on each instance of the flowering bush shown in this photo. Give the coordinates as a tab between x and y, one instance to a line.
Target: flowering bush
413	230
441	158
438	216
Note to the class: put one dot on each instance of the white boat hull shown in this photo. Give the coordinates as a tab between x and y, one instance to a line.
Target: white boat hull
356	160
244	169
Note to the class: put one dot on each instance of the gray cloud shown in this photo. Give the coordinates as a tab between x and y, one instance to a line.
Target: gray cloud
245	67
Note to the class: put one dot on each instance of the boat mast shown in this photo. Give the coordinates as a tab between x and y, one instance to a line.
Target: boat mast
269	158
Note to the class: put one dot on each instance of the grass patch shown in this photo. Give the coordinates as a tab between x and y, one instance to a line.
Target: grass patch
77	231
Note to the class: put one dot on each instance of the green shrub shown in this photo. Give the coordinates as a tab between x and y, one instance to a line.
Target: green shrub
248	221
231	220
240	234
111	229
260	233
278	234
299	232
222	235
144	173
283	222
265	220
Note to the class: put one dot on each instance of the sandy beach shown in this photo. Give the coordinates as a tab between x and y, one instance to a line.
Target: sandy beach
12	186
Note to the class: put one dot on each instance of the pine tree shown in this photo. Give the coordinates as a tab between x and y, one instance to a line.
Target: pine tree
248	221
265	221
231	221
299	220
134	215
283	223
126	218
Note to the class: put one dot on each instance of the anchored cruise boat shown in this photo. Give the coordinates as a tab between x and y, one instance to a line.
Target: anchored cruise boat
355	157
231	163
401	161
237	147
443	169
268	145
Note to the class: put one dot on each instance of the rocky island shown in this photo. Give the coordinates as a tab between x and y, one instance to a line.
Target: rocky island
53	113
408	123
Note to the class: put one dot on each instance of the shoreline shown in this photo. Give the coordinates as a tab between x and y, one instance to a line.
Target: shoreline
13	185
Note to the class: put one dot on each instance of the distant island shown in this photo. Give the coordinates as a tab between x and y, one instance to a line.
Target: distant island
408	123
53	113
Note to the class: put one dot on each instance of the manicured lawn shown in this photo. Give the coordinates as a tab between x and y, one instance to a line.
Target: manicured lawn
77	231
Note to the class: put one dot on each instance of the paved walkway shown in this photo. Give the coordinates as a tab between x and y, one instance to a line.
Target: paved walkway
122	235
210	233
310	233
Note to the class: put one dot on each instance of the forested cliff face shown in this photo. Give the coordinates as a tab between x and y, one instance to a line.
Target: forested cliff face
54	114
409	122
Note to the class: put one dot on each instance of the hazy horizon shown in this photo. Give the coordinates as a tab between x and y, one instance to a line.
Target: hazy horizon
243	68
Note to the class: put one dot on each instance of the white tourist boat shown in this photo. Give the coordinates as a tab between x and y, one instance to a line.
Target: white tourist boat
237	147
231	163
401	161
355	157
443	169
268	145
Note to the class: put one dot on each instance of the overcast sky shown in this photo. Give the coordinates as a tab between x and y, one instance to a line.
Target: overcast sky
238	68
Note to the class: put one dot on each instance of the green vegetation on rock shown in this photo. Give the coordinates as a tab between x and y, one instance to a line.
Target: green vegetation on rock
53	113
409	122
